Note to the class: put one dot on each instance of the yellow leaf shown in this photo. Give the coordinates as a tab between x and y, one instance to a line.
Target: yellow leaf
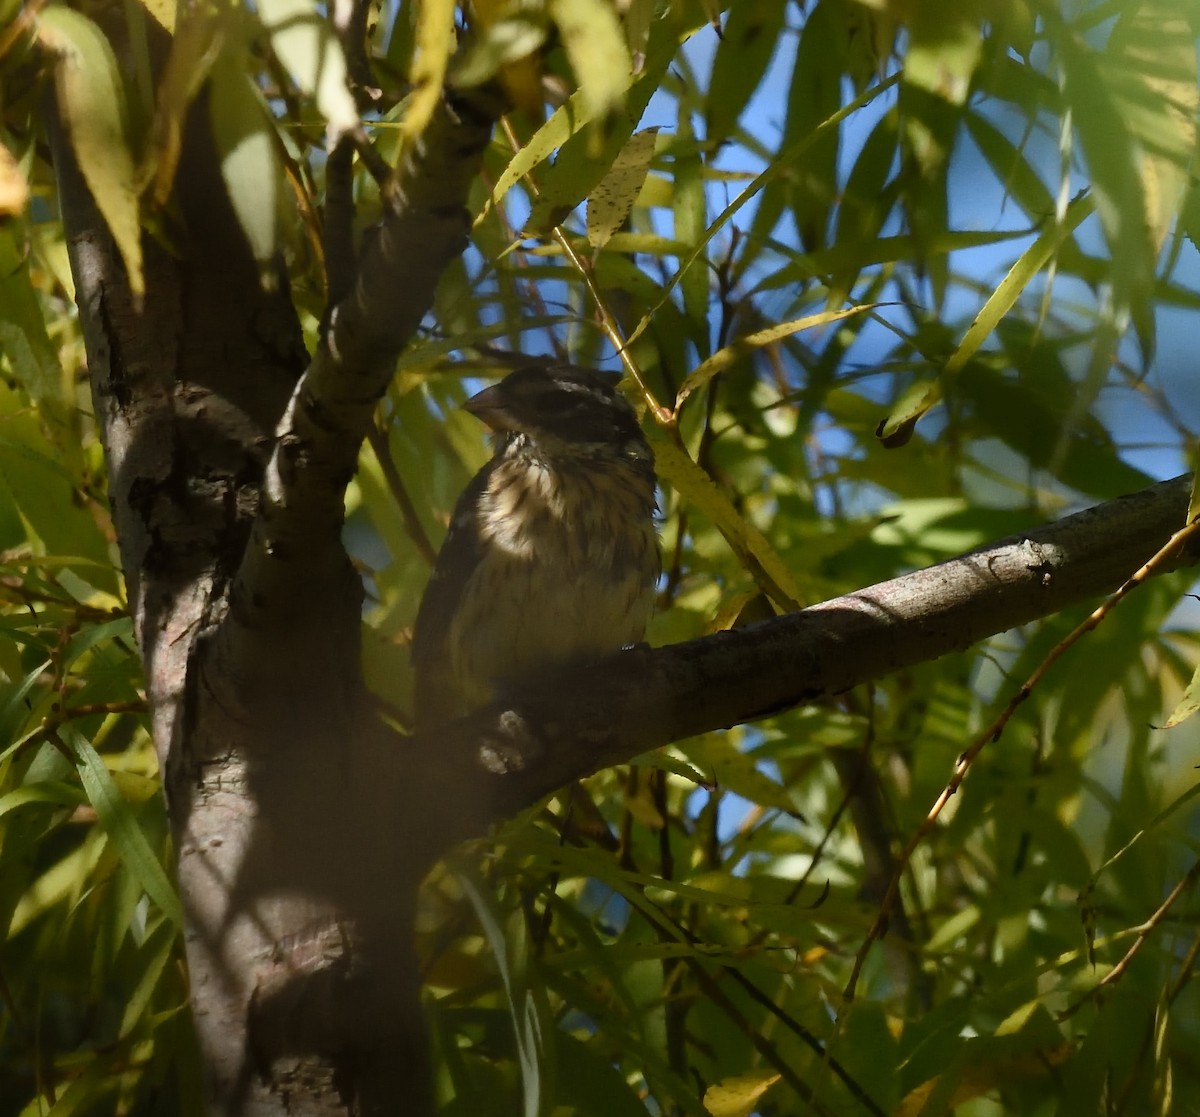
723	358
752	548
193	51
977	1081
596	47
249	162
612	199
304	42
718	757
564	122
738	1096
640	804
91	99
507	42
163	12
1150	61
14	190
1188	704
572	116
522	84
434	42
944	53
1019	276
919	398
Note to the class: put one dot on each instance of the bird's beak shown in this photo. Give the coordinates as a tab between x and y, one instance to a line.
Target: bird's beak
491	407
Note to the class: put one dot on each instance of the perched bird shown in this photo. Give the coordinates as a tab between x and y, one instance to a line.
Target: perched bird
551	558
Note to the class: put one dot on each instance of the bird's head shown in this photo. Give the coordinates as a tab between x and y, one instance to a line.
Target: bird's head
559	410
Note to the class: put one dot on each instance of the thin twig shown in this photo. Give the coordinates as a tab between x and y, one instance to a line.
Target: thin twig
408	510
993	731
349	19
377	166
25	18
1183	976
608	322
1143	933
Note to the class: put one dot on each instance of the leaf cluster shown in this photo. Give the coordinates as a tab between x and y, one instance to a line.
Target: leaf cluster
849	370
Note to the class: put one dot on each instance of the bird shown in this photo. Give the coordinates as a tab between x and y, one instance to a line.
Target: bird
551	558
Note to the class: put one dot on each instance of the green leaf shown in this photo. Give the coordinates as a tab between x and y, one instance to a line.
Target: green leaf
24	342
1026	408
51	791
748	41
688	198
868	199
663	761
777	167
164	12
944	49
14	189
1012	169
945	45
823	57
15	706
581	162
596	48
531	1023
734	770
580	171
121	825
919	399
304	42
1019	276
846	258
1150	65
502	49
753	549
194	49
729	356
58	885
32	470
91	101
1113	161
157	950
250	165
590	1082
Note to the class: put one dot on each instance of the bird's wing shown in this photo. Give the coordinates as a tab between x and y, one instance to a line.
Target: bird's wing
436	693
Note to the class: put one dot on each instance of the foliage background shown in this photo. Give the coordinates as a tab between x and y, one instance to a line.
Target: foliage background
1008	214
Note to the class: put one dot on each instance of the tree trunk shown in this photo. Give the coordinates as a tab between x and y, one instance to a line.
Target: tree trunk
305	997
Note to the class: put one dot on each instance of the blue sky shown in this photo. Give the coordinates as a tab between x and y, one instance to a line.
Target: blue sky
978	203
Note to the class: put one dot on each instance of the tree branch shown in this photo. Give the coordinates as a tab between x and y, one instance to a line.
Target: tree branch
506	757
424	227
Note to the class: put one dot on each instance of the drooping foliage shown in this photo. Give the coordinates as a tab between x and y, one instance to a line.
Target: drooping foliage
889	281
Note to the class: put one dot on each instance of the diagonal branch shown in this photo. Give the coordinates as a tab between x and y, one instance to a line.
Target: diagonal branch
640	699
424	227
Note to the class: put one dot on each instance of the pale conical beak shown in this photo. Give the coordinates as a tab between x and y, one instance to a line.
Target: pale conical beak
490	406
